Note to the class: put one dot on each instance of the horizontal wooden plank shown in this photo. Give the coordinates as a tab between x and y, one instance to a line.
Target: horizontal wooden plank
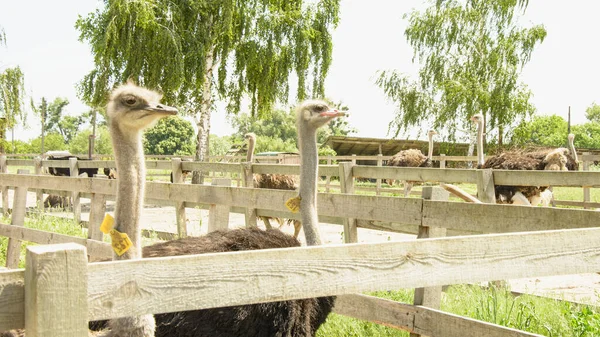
19	162
96	164
545	178
577	203
166	284
419	319
12	299
289	169
416	174
211	167
492	218
95	248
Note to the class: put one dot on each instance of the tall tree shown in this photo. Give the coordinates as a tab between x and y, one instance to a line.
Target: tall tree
42	111
12	95
170	136
471	54
178	46
592	113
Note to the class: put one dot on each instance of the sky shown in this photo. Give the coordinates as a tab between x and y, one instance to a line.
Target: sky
564	70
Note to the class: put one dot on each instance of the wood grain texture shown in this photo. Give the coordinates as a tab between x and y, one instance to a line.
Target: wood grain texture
212	280
12	299
75	198
4	170
416	174
180	217
95	248
545	178
218	215
56	290
493	218
347	187
17	220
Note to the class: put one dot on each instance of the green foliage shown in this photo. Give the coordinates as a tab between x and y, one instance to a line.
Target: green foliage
541	131
173	135
592	113
256	44
587	135
220	145
52	142
102	144
22	147
471	54
12	91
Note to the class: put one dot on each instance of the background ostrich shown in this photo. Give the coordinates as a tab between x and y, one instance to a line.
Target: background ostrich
298	318
130	110
412	158
553	159
272	181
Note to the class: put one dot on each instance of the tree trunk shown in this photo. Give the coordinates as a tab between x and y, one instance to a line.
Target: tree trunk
500	136
203	122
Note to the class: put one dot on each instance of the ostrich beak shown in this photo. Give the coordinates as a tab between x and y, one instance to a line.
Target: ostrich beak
162	109
333	113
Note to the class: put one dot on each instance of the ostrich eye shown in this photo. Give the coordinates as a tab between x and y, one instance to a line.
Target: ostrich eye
130	100
321	108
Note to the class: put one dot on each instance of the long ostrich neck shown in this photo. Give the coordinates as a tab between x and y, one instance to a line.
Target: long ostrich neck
480	160
572	149
250	153
129	157
307	140
430	150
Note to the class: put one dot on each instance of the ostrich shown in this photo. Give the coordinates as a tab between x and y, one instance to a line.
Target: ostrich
413	158
131	109
296	318
554	159
272	181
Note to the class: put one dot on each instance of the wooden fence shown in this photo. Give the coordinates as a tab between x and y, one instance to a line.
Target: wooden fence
565	242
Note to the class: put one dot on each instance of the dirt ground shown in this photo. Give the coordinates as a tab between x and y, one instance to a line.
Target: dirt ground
582	288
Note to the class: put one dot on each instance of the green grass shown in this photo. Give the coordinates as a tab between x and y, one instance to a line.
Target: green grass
534	314
42	222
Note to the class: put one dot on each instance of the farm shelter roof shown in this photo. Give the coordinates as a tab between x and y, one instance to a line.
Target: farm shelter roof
345	146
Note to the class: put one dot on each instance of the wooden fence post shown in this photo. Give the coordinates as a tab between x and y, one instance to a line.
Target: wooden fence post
354	159
179	206
4	169
430	297
74	169
13	251
218	216
378	183
442	161
39	195
56	291
328	178
486	192
586	190
248	181
347	187
97	211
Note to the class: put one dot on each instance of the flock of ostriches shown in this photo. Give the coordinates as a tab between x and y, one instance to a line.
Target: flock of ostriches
132	109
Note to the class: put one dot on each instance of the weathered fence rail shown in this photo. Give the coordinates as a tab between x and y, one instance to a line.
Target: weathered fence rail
260	276
215	280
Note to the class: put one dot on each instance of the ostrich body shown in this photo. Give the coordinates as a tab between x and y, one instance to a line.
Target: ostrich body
297	318
271	181
413	158
131	109
554	159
